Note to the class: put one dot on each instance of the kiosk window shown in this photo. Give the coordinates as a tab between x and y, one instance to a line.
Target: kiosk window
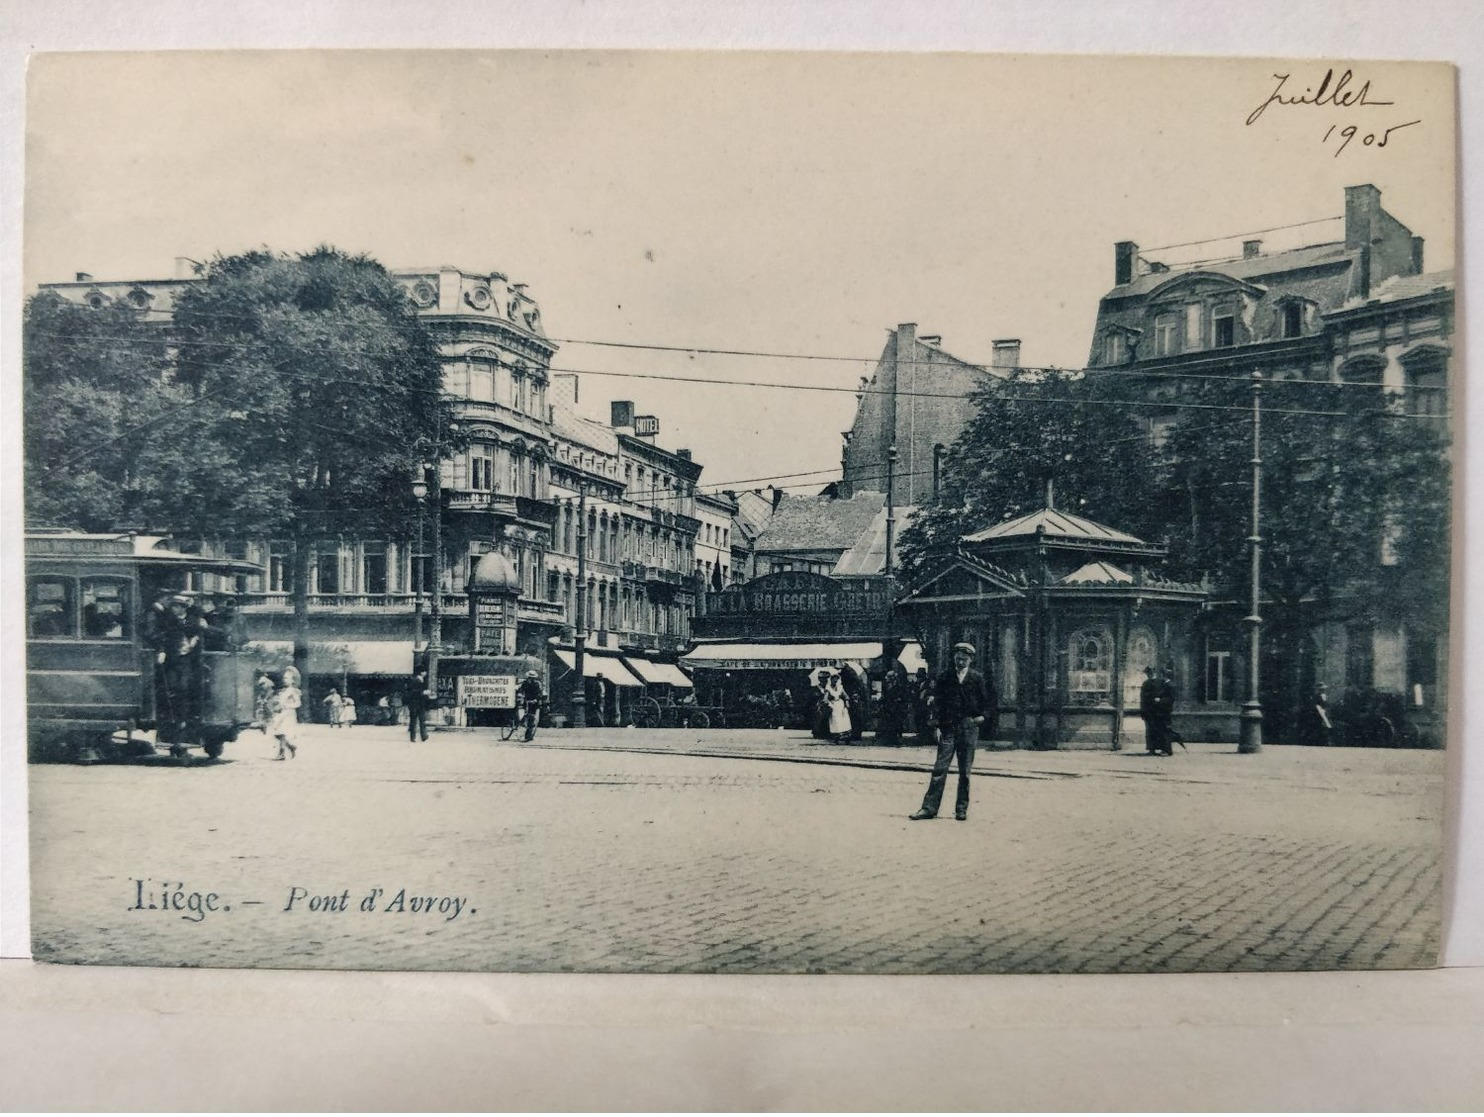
105	609
51	611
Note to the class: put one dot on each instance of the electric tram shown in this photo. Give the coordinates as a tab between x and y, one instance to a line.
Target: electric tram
126	655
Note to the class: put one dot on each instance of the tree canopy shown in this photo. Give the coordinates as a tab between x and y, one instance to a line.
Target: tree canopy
1355	496
286	392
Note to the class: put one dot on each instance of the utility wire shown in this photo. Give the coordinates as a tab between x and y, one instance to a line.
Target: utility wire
1046	370
1249	233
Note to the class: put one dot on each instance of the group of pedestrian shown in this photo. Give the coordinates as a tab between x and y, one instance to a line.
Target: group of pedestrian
1157	708
839	704
341	709
276	706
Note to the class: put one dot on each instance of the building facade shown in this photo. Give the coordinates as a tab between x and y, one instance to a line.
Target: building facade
529	463
918	400
1358	310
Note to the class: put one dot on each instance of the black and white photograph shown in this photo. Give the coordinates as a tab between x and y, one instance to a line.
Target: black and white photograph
757	513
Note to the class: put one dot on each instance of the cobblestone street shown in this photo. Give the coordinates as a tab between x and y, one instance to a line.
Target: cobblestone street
741	851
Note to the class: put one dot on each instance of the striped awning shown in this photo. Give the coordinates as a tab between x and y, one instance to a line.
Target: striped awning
599	667
651	672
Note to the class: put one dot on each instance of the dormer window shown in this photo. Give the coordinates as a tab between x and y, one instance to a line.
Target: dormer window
1293	319
1224	329
1166	335
1115	348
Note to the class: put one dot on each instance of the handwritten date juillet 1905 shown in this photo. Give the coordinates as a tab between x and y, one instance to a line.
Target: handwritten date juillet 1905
193	905
1331	92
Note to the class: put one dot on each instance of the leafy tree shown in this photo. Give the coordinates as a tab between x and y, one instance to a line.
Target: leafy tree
93	387
304	390
1082	435
1348	477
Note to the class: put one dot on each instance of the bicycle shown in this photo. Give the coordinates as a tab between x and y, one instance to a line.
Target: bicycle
529	719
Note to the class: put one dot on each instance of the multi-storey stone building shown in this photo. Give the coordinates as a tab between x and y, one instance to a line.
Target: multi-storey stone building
515	489
918	399
1356	310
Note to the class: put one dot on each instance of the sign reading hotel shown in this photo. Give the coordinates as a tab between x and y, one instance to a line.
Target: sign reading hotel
798	603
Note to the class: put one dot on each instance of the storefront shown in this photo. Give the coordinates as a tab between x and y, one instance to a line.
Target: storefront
759	642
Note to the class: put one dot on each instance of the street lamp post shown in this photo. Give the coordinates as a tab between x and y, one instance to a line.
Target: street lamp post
891	503
419	565
579	639
435	608
1250	736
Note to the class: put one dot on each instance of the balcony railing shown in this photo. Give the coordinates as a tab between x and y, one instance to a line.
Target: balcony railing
449	603
480	500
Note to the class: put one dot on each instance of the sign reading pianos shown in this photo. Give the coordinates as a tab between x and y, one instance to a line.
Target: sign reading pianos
795	603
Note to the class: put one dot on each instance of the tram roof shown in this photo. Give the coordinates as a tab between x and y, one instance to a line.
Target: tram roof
146	549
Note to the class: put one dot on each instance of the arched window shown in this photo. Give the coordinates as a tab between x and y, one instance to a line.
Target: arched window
1089	667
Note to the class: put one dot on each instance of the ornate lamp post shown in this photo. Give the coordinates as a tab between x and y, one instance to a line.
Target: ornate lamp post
579	640
435	610
891	502
418	568
1250	735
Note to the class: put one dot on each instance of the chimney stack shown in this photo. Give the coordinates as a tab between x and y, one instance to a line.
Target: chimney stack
1362	230
1251	248
621	413
1125	257
683	455
1005	353
84	277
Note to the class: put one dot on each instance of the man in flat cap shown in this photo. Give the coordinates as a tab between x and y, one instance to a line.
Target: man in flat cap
964	700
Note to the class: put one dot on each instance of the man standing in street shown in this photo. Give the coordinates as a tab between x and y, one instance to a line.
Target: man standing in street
963	703
416	700
1149	710
1157	707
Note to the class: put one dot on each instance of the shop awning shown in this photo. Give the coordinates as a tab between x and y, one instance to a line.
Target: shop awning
779	657
350	657
652	672
599	667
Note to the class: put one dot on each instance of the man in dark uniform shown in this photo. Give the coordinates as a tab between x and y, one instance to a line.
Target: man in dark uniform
417	699
964	702
1149	711
1157	707
894	698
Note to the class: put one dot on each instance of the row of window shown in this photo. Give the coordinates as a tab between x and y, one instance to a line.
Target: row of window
612	538
609	606
483	378
61	608
1194	327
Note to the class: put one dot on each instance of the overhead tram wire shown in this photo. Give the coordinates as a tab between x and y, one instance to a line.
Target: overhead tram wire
1094	370
1239	236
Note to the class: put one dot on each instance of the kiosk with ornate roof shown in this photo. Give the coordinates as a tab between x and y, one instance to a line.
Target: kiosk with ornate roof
1066	615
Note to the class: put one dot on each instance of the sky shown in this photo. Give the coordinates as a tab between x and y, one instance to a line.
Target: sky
769	202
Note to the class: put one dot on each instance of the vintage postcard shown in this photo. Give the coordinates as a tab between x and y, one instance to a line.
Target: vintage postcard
738	513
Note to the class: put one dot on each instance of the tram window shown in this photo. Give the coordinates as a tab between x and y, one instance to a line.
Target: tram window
51	611
105	609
